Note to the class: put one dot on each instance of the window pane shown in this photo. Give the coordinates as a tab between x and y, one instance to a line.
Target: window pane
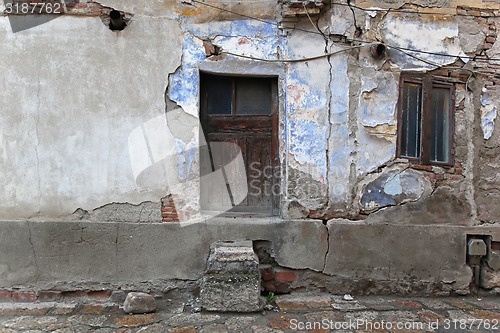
440	133
411	119
219	94
253	96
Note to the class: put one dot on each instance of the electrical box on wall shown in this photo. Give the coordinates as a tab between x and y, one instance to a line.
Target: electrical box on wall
476	247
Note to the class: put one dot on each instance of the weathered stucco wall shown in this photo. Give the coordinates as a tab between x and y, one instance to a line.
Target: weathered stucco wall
73	92
98	125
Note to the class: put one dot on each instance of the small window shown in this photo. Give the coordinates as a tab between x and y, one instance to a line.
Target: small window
230	95
425	119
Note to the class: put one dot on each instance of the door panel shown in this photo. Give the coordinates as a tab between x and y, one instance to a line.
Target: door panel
250	126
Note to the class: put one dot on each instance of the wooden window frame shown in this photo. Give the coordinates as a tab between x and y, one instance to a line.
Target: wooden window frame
428	83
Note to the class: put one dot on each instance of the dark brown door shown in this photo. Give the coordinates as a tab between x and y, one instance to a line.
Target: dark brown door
239	119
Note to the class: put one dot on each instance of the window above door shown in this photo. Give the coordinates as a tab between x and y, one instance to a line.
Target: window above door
238	96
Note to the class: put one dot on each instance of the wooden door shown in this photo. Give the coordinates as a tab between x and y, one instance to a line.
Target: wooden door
239	116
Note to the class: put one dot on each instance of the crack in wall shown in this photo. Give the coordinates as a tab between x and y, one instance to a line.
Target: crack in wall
327	248
30	238
330	126
116	249
470	157
37	124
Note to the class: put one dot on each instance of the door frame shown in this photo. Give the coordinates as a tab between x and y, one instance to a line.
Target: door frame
275	107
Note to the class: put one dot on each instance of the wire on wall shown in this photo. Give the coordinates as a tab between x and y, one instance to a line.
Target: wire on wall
405	11
352	6
400	49
294	60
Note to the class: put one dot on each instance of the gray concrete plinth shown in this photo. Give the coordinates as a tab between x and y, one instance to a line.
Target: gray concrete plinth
232	279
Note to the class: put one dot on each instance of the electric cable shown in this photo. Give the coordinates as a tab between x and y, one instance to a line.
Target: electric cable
276	24
294	60
474	58
404	11
389	10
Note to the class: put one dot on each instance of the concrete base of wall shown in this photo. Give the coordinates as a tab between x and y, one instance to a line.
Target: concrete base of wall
343	256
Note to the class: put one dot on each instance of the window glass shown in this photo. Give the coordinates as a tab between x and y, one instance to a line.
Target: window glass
253	96
219	91
411	119
440	125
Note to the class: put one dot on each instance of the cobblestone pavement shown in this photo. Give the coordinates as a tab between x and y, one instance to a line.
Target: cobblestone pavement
292	313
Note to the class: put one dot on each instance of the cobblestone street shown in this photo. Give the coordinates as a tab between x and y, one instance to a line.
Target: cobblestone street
292	313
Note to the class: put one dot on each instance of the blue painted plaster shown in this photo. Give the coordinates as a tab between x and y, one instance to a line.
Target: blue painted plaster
488	116
314	99
186	154
393	186
184	82
233	28
377	103
307	143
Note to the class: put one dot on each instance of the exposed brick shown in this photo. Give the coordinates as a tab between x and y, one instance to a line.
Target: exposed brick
267	272
168	209
282	287
90	309
49	295
491	39
99	294
421	167
24	296
270	286
5	295
408	304
474	12
313	214
285	276
437	177
454	177
280	321
137	320
74	294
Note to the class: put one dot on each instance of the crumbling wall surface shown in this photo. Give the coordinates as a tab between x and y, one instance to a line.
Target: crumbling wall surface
74	255
488	175
343	258
84	133
306	121
77	104
438	266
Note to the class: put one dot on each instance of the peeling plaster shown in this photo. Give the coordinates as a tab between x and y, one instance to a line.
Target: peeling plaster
488	114
393	187
378	99
383	131
307	144
376	114
185	157
433	36
338	145
470	35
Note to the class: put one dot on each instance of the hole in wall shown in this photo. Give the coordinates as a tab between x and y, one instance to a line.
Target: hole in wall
117	20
